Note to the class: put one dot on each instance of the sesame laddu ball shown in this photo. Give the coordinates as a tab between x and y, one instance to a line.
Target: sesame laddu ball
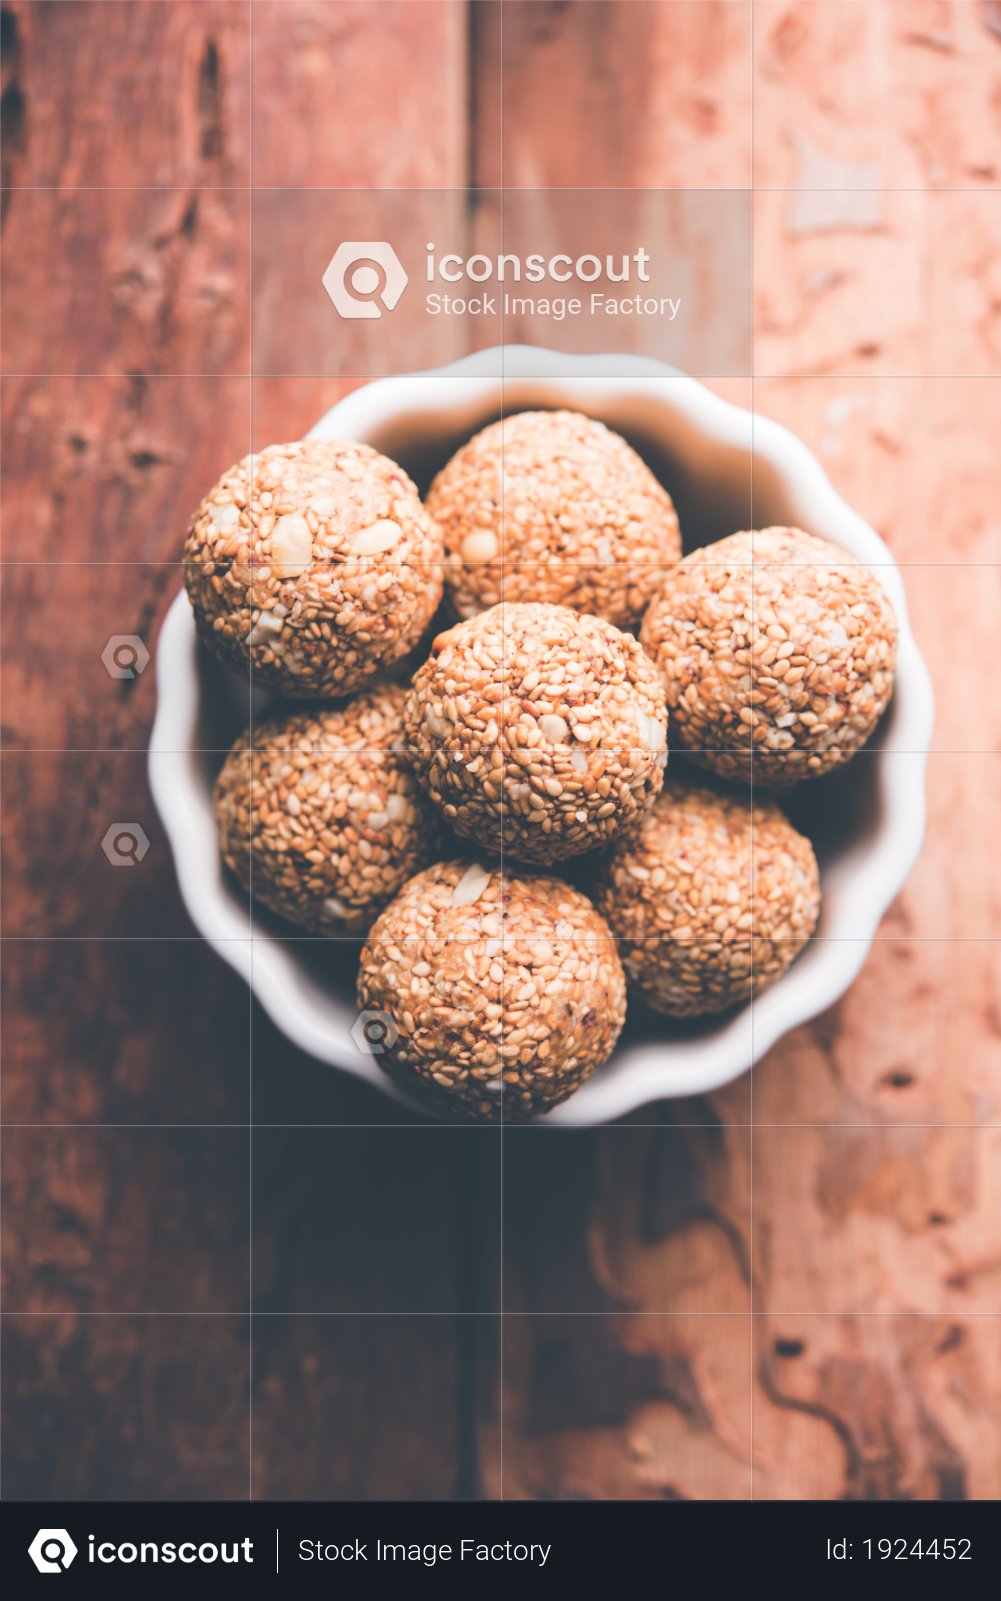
503	993
710	900
552	506
537	730
319	814
773	644
313	563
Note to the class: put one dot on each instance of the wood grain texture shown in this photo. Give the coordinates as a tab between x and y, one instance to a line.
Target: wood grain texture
131	250
865	1241
789	1289
128	92
126	252
914	88
379	91
613	93
903	101
378	146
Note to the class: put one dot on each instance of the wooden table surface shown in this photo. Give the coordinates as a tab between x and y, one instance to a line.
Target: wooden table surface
791	1288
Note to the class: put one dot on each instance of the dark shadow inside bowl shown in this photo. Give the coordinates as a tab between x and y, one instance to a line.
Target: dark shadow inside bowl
423	441
771	499
225	708
332	964
709	482
845	810
644	1026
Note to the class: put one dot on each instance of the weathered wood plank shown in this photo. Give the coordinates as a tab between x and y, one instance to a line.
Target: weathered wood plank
606	95
126	249
866	1208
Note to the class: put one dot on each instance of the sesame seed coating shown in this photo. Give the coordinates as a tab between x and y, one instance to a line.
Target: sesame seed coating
503	993
320	817
553	506
313	563
710	900
772	645
537	730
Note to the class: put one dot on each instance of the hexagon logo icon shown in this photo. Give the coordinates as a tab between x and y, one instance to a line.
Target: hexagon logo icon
52	1550
374	1033
125	656
351	281
125	844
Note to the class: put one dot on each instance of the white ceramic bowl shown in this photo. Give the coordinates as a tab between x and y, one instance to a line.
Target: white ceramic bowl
726	469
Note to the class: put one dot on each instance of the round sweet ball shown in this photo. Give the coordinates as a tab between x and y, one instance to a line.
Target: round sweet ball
313	564
710	900
492	996
538	731
777	654
552	506
319	814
